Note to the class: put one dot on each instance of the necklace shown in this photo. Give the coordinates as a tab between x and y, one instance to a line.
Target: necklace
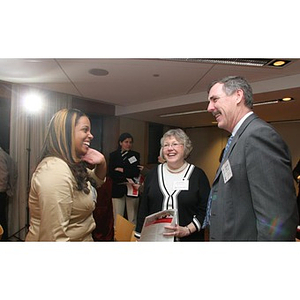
174	171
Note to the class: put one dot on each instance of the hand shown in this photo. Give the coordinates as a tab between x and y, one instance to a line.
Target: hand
177	231
119	170
136	186
97	159
93	157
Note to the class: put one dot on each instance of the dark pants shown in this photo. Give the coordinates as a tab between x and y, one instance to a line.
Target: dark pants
3	214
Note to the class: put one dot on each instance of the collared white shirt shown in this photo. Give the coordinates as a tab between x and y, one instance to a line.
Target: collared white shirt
241	121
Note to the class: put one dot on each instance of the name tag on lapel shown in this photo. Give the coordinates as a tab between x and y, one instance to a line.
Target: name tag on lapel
132	159
226	171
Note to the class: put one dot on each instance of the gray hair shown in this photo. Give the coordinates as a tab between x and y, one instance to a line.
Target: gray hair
234	83
181	137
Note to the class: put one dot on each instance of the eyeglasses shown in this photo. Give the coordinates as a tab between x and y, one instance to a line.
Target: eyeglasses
173	145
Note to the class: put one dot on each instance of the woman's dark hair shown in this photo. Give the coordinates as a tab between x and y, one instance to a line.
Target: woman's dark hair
123	137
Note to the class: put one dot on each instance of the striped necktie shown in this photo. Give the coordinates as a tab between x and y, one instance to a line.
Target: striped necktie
227	147
208	209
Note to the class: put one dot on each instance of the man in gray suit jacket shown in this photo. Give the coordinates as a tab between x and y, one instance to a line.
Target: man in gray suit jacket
253	196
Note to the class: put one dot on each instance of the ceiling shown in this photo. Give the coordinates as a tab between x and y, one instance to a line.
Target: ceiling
145	89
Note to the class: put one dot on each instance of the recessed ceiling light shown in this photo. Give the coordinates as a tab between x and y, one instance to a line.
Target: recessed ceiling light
254	62
287	99
98	72
279	62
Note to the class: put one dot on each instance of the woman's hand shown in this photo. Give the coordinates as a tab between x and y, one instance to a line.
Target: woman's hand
93	157
97	159
177	231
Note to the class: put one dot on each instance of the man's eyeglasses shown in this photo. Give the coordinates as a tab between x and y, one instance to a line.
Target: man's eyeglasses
173	145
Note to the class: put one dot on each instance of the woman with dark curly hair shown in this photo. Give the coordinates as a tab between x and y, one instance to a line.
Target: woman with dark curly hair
63	190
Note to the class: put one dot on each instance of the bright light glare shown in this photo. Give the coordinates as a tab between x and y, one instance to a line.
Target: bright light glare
287	99
33	103
279	63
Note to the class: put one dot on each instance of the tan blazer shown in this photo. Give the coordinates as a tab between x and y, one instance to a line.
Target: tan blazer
58	211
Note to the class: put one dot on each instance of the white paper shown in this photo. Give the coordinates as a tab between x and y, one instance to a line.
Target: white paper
154	226
132	188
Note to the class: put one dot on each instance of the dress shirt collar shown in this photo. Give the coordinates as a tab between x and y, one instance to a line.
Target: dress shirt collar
241	121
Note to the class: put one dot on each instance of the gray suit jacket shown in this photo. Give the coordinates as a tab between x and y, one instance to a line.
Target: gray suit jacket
259	201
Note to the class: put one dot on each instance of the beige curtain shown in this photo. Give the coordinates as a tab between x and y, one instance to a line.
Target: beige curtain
27	134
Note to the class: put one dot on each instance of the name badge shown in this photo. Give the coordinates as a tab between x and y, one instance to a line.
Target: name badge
182	185
226	171
132	159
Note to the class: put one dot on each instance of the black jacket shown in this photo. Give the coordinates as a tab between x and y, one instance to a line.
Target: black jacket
191	203
131	170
